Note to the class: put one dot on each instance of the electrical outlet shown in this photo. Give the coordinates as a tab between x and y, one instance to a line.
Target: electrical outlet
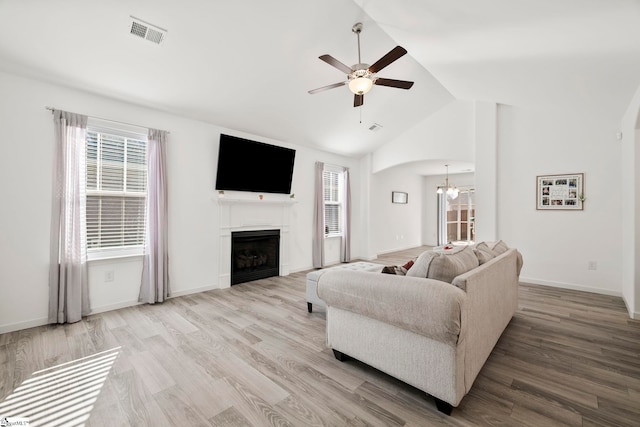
108	276
592	265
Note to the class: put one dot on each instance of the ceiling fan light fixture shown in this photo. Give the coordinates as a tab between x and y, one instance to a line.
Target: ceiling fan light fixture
360	85
361	77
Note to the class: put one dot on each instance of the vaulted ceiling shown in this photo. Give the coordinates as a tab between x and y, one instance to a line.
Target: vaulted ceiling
247	65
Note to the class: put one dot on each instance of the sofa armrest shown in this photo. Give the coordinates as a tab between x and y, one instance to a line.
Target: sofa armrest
424	306
492	300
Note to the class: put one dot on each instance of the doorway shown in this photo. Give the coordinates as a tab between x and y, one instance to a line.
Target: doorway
456	218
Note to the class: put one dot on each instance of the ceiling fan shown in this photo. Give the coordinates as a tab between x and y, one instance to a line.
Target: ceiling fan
361	77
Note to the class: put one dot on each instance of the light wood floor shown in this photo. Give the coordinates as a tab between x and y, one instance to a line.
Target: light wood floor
252	356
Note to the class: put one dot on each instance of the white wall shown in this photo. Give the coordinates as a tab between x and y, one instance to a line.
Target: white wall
26	169
557	245
395	226
486	179
630	181
447	134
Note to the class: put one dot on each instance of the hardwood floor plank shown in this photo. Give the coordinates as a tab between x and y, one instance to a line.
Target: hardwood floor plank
138	405
246	375
230	417
257	411
176	406
152	373
523	416
107	416
300	413
346	402
395	404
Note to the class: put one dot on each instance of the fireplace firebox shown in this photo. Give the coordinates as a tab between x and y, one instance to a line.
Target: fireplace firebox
254	255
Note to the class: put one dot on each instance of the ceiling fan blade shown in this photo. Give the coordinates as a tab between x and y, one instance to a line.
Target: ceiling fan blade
400	84
358	100
393	54
323	88
333	61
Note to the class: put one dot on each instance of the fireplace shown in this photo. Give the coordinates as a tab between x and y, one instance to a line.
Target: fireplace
248	212
254	255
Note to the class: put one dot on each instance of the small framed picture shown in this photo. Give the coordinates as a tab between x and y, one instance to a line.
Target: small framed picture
399	197
560	192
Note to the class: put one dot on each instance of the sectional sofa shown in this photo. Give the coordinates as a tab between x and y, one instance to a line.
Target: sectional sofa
432	327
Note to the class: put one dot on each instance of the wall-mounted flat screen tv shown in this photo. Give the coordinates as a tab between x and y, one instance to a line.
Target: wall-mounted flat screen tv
245	165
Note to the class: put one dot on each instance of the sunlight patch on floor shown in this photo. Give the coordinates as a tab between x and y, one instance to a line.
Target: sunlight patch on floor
62	395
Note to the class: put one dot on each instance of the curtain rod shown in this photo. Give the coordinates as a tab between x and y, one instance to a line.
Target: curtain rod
109	120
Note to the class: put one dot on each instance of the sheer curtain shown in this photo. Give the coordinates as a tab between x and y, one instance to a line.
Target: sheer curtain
345	247
68	274
318	219
155	268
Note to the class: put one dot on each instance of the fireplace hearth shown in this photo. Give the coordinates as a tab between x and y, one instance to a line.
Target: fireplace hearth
254	255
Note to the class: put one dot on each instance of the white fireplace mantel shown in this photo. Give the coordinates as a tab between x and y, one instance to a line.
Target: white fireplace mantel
247	214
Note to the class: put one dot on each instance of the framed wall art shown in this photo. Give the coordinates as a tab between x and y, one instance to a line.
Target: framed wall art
399	197
560	192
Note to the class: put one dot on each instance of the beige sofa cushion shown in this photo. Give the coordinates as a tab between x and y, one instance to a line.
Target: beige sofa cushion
450	264
420	267
484	253
498	247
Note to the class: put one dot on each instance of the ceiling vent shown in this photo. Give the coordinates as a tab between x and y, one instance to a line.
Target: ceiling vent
375	127
144	30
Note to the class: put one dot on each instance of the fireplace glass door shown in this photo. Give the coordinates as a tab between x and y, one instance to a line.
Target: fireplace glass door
254	255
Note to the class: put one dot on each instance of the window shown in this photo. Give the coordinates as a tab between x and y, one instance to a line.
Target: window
116	192
333	195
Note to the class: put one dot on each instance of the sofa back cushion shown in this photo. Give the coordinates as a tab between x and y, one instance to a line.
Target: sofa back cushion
444	265
420	267
499	247
484	253
450	264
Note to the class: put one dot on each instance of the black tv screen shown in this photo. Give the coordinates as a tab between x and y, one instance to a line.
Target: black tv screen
245	165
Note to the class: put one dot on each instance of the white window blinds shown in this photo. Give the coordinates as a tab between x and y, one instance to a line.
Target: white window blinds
332	185
116	189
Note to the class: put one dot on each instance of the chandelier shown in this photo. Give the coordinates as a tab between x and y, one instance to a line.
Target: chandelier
452	192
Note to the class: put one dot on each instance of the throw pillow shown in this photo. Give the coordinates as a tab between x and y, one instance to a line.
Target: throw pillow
394	269
484	253
499	247
452	263
420	267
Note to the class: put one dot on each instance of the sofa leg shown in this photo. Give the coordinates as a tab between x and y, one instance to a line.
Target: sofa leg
340	356
443	406
309	307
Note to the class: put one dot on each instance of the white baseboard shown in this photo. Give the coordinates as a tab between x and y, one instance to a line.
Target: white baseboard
404	248
194	291
124	304
12	327
632	314
110	307
572	286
